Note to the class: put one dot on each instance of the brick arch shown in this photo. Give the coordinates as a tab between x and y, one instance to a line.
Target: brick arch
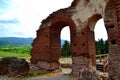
45	53
46	47
91	38
55	30
93	20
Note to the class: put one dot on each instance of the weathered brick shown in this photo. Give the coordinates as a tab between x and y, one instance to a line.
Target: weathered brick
81	18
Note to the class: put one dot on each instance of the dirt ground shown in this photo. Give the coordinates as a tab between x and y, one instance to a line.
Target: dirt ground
60	77
64	75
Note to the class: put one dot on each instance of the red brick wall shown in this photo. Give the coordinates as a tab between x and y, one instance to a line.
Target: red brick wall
46	47
41	46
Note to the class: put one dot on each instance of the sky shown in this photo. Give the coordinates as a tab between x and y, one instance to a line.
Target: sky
21	18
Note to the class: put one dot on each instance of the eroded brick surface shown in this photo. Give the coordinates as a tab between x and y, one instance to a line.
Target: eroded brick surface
81	18
48	66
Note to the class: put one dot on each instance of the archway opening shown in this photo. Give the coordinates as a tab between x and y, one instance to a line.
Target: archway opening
100	30
101	43
65	59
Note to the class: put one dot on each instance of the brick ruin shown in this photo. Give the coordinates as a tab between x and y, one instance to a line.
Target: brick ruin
81	18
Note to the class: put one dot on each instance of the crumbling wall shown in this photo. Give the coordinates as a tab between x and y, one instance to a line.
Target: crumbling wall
81	18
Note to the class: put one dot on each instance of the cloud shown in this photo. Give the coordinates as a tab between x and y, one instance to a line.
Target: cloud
23	17
12	21
13	30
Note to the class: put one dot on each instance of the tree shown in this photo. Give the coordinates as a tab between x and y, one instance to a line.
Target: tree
66	49
106	46
102	46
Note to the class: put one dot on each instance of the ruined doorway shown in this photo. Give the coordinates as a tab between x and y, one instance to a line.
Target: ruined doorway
101	43
65	60
97	22
57	31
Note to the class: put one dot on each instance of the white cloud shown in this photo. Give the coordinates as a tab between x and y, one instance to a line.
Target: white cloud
30	13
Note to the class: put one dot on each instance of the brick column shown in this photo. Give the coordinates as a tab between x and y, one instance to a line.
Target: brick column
41	51
92	48
80	54
114	46
41	46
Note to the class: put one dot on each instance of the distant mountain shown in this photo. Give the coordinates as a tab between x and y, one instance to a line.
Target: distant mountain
16	40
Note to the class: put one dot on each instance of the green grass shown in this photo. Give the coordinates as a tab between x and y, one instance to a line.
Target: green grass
13	54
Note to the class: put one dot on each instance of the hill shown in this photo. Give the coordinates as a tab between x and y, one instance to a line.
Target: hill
18	42
15	42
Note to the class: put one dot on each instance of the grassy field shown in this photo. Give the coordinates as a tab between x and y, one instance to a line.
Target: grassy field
13	54
26	56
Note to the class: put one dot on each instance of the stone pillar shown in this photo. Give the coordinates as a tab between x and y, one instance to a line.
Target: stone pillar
114	51
92	48
80	53
79	64
114	46
48	65
55	46
41	51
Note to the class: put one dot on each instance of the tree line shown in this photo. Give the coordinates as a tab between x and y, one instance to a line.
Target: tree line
101	48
